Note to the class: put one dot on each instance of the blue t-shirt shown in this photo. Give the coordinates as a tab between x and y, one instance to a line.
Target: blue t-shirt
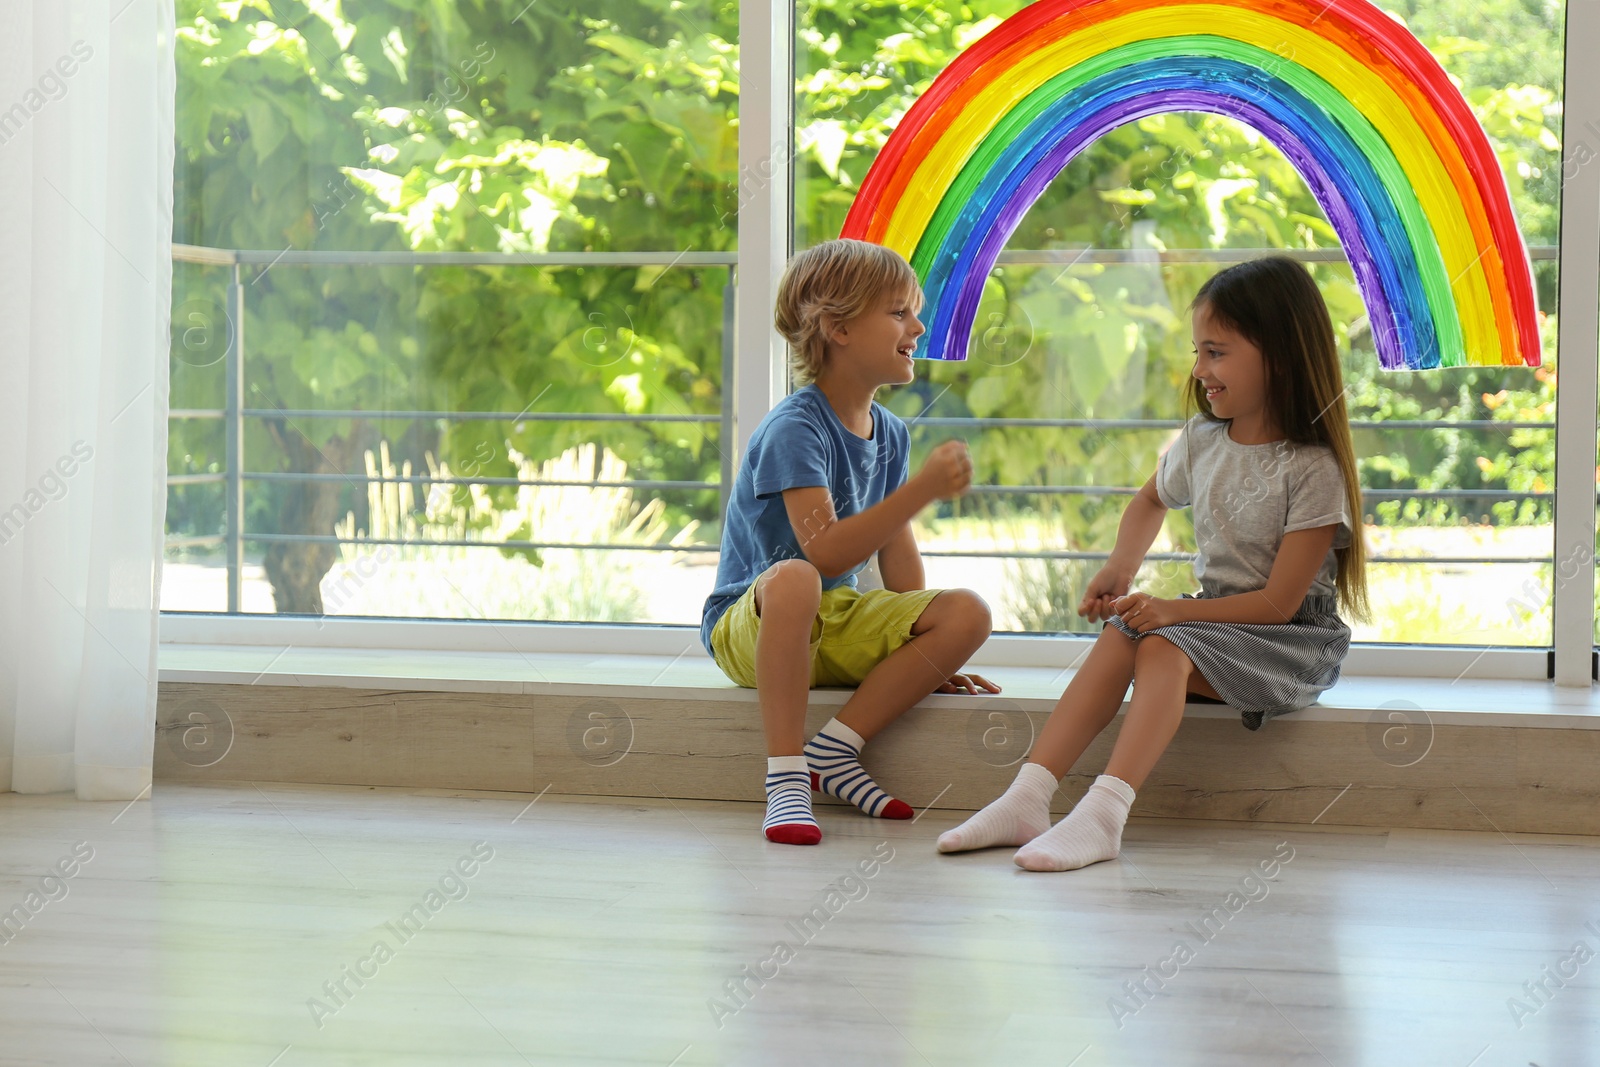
800	443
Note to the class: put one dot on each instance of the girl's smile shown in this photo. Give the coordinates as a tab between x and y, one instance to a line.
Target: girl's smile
1233	374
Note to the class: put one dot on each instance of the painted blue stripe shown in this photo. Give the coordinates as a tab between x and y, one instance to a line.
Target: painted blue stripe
1339	174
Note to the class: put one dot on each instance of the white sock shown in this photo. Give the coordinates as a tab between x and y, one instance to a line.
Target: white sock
1091	832
1019	815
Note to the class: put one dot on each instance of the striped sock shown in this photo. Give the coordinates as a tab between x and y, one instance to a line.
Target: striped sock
836	770
789	820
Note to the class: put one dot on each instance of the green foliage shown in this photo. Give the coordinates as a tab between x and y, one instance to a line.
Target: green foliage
558	127
1112	342
451	127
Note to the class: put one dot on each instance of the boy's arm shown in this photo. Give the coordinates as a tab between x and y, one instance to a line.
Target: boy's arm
900	564
835	545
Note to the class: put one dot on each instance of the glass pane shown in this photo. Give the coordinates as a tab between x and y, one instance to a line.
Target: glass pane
544	412
194	576
1081	343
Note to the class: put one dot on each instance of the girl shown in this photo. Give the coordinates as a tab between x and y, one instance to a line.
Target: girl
1269	469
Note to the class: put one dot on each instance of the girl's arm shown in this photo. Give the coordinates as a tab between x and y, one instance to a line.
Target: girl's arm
900	564
1141	521
1299	558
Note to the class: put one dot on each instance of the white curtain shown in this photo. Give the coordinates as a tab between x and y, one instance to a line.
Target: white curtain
86	153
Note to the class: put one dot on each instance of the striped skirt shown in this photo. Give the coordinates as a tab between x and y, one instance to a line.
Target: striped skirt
1263	669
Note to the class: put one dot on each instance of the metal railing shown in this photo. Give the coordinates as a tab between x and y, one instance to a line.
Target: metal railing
234	411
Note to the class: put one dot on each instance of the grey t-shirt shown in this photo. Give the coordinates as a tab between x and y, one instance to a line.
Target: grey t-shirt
1245	498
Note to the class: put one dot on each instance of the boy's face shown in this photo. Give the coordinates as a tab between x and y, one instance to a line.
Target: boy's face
877	344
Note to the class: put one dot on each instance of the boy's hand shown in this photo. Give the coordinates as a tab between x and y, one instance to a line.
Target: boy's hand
968	683
1105	589
948	471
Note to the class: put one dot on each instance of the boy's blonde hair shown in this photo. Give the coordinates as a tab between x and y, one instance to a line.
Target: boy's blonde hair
831	283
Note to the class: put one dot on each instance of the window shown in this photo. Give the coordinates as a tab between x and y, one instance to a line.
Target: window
1081	343
451	313
455	294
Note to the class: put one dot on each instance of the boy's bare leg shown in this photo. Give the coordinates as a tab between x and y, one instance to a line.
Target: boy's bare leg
953	626
787	596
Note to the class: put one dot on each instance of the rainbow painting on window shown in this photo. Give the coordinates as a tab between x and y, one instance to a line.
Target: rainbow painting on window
1388	146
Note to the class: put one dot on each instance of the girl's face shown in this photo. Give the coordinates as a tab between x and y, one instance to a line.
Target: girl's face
1230	367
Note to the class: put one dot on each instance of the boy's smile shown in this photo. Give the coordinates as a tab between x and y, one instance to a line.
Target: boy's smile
879	345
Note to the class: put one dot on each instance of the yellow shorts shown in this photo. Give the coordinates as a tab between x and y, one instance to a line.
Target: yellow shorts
854	631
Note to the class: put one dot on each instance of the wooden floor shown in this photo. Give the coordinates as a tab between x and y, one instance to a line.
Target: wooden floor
216	925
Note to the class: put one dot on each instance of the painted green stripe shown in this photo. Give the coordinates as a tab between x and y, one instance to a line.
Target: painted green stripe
1425	246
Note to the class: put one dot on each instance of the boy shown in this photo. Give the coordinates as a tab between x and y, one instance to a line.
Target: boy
822	488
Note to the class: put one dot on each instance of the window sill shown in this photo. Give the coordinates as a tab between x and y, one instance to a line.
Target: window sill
1463	701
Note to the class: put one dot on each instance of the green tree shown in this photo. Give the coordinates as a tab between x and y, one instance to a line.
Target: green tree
485	125
438	126
1112	342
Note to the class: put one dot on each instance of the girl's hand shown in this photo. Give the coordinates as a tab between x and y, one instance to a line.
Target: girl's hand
1100	598
1143	612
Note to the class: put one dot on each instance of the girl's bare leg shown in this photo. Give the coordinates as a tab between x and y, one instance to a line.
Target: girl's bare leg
1162	676
1092	698
1089	703
1093	830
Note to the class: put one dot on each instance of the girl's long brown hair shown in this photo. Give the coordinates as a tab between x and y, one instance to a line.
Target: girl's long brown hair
1274	303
